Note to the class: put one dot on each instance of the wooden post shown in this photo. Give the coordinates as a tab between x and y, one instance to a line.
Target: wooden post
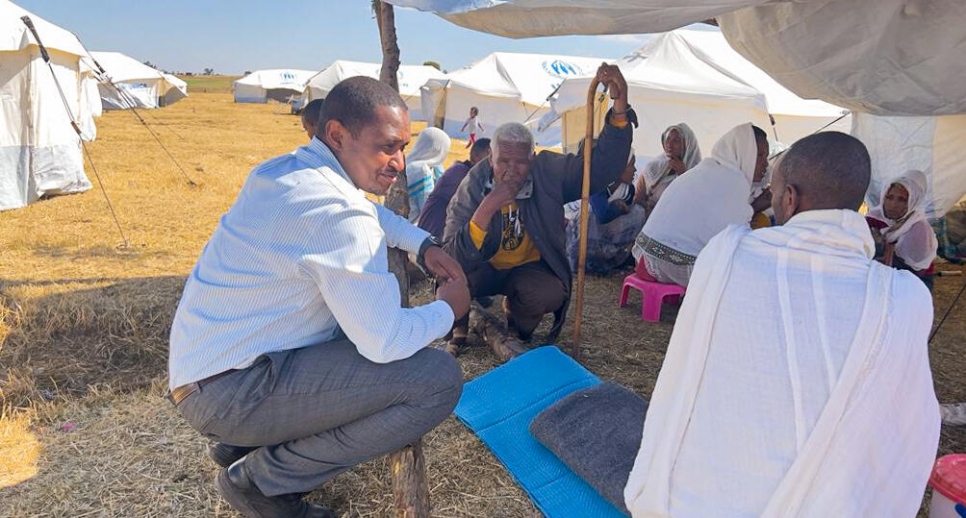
494	333
410	493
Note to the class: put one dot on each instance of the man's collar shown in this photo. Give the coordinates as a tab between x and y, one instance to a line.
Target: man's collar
317	155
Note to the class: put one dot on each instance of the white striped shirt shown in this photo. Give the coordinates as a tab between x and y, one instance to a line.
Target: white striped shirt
300	254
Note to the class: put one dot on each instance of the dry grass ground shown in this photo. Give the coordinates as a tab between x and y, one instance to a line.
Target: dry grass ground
84	430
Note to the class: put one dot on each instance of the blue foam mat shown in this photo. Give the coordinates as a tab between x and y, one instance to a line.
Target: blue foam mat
499	405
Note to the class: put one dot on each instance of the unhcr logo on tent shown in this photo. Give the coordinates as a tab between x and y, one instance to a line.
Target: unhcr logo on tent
561	69
287	77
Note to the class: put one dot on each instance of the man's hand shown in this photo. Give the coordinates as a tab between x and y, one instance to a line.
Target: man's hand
613	79
440	264
456	294
762	202
502	194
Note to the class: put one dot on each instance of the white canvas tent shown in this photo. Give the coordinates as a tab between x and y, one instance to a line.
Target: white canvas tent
668	83
40	153
693	76
411	78
178	90
128	83
279	85
506	87
794	117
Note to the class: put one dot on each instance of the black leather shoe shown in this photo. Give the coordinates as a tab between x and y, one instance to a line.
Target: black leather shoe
244	497
225	455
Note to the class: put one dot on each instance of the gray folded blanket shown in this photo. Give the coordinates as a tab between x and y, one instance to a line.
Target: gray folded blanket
596	432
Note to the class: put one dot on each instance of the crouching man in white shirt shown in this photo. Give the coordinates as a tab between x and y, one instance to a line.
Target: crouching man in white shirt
290	348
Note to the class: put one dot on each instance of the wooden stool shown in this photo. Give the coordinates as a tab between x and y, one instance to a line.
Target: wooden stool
652	295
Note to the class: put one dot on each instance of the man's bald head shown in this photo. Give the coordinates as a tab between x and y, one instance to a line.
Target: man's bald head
828	170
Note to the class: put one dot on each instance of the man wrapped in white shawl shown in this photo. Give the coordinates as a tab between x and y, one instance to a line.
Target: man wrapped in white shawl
900	220
701	203
797	379
424	165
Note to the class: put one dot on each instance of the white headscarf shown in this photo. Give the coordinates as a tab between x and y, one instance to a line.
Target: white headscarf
424	167
918	247
738	149
713	195
659	168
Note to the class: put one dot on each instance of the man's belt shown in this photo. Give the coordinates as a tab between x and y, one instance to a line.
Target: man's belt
179	394
661	251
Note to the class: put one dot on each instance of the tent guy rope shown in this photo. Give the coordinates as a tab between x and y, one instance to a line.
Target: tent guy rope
73	122
131	103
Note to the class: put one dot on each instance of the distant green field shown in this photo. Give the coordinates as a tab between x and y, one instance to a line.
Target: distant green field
209	84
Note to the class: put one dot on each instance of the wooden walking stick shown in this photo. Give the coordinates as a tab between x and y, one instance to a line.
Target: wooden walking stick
584	197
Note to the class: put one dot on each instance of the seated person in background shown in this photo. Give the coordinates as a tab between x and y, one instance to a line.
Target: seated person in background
310	117
612	225
797	379
904	238
504	224
698	205
681	152
432	218
424	165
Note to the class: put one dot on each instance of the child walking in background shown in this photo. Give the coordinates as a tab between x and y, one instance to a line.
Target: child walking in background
472	124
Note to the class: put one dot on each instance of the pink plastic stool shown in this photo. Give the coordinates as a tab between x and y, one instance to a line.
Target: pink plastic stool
652	295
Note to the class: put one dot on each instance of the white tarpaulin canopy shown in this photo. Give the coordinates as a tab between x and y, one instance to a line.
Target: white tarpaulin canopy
279	85
40	153
505	87
887	57
411	78
130	83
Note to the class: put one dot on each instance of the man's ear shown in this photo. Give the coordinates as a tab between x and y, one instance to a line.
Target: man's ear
793	201
334	134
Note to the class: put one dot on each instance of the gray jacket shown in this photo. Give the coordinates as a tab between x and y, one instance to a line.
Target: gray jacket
557	180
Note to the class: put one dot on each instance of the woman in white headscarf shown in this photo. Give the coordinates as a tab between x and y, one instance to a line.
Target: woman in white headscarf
703	202
681	152
904	238
424	165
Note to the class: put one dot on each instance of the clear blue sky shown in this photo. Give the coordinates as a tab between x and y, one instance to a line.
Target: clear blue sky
234	36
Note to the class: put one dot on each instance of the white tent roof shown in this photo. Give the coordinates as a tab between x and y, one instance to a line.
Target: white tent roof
531	78
14	34
669	83
666	64
121	67
275	79
176	82
888	57
411	77
781	100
